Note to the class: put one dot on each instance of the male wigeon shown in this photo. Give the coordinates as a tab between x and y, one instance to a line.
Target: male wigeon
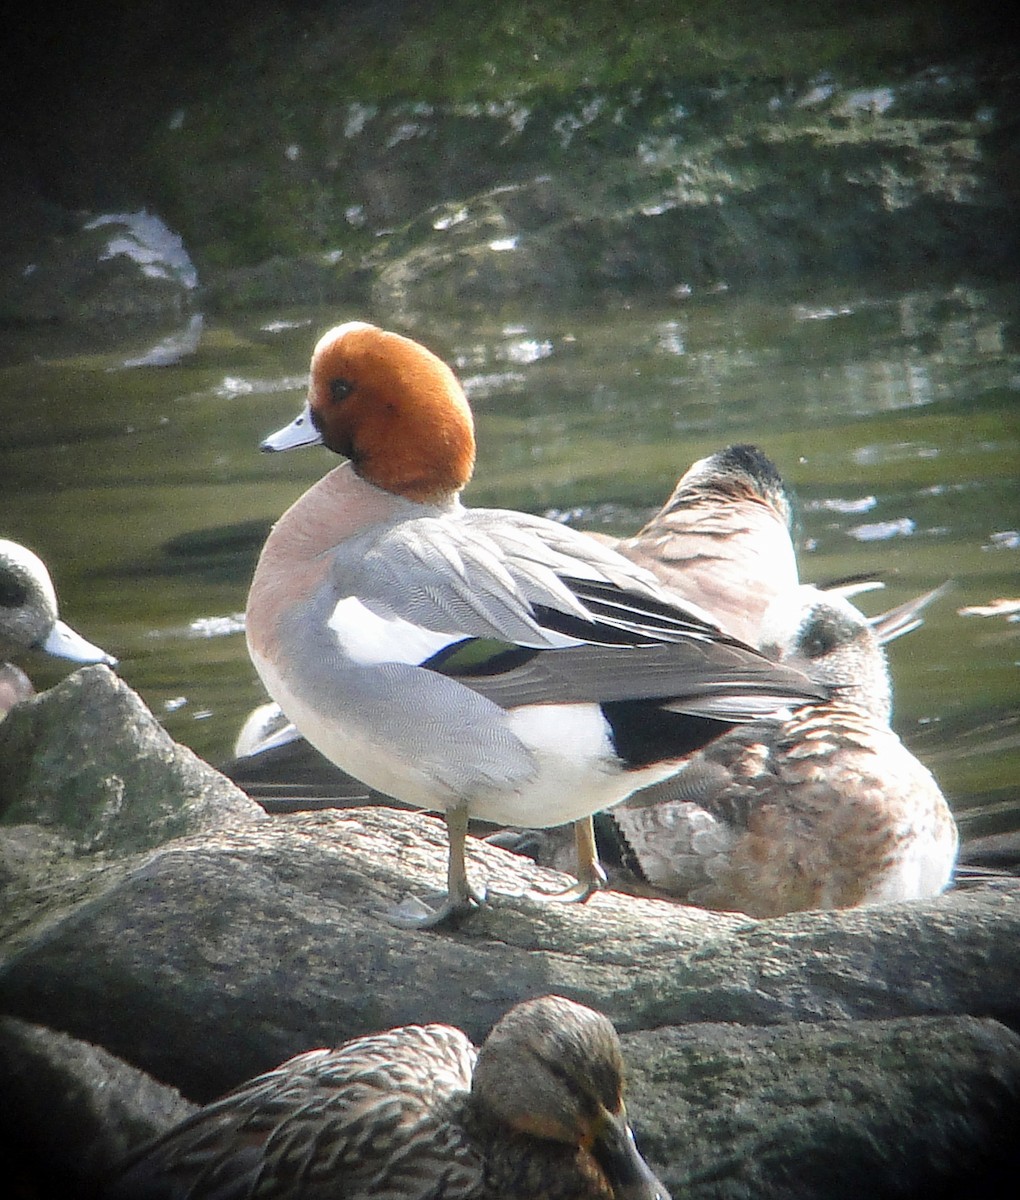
477	662
825	808
417	1111
722	540
29	621
276	766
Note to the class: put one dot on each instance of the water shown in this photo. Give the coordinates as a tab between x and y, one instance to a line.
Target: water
892	413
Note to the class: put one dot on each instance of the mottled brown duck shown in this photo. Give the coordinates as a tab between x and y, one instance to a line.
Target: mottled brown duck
825	808
416	1113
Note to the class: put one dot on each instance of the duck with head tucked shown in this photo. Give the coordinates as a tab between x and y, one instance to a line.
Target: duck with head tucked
722	539
475	662
417	1113
29	621
823	808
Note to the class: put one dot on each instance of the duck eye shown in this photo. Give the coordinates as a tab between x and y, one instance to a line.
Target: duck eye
340	389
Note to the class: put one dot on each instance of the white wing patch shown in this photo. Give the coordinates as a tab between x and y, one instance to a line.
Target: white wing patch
366	638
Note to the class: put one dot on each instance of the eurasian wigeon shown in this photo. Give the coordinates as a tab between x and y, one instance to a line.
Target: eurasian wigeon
276	766
29	621
722	539
721	514
476	662
417	1111
825	808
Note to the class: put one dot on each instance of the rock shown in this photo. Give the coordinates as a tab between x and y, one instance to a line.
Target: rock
412	187
73	1109
833	1111
124	268
243	946
813	1111
88	760
155	911
86	775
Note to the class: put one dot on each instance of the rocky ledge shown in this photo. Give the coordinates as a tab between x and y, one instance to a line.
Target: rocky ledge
158	925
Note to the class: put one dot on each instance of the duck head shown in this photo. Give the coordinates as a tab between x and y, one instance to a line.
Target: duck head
833	643
553	1069
28	611
389	405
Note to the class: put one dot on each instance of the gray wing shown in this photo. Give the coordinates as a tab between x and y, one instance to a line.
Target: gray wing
489	575
717	680
537	613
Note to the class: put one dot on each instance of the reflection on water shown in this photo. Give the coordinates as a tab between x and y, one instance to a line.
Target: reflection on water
892	415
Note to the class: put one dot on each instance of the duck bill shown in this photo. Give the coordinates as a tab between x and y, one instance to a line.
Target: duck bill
300	432
63	642
617	1154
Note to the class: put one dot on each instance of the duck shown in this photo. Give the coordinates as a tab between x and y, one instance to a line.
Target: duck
277	768
722	539
538	1111
480	663
823	808
29	621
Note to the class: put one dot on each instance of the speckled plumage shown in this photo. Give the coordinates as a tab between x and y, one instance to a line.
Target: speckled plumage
414	1113
824	809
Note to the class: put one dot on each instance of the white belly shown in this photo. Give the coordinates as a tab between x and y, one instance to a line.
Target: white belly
571	767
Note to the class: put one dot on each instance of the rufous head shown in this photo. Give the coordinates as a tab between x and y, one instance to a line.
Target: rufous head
392	407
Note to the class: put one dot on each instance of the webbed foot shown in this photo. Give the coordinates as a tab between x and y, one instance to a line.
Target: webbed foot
591	878
577	893
460	899
412	913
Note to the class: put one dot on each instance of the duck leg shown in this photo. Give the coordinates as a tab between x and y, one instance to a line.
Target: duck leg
460	900
591	878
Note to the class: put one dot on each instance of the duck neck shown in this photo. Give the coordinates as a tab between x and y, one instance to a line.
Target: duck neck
518	1164
295	560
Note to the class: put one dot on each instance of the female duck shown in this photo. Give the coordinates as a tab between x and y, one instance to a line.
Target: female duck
722	539
478	662
416	1112
825	808
28	621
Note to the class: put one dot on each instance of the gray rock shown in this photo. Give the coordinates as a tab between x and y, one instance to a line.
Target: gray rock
88	760
115	267
72	1110
154	910
202	939
87	775
921	1107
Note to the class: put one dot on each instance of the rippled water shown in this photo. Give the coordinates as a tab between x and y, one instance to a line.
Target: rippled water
891	413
